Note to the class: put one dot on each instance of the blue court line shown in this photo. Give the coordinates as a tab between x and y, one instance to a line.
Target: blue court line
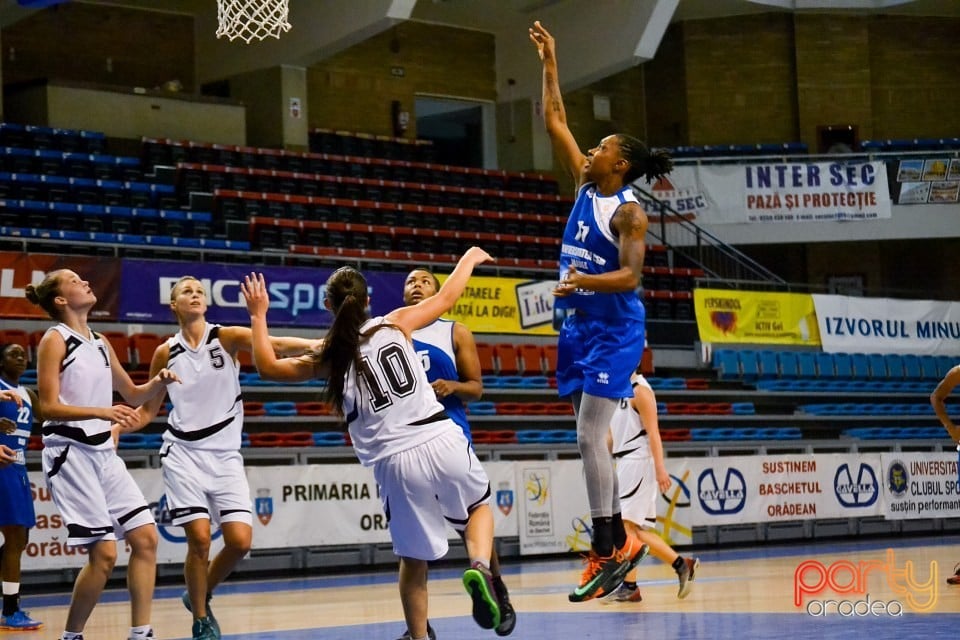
528	564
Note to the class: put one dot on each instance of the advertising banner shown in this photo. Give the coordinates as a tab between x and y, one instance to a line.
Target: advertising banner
746	489
506	305
925	180
296	293
883	325
17	270
920	484
293	506
782	192
755	317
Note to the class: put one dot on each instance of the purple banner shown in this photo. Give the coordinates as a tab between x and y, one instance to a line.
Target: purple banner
296	293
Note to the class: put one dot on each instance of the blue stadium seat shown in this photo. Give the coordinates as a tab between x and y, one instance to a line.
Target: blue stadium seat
894	363
789	366
825	366
843	366
878	366
280	408
749	365
928	368
911	367
861	366
945	363
329	439
769	366
727	364
807	364
482	408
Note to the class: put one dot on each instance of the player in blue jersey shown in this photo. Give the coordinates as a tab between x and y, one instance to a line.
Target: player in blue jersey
601	264
17	406
449	356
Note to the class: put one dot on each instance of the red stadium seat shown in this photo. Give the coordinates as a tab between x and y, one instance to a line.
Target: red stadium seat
121	346
487	365
531	355
142	346
550	359
508	361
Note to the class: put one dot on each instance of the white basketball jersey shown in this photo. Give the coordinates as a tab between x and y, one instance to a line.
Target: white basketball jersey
629	436
207	408
389	405
85	381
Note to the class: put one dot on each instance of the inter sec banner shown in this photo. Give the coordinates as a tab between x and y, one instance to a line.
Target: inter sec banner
755	317
884	325
779	192
296	293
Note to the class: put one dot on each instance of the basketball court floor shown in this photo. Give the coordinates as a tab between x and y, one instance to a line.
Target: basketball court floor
874	589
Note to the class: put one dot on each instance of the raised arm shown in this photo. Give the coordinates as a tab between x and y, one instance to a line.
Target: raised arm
241	339
429	309
554	115
298	369
939	397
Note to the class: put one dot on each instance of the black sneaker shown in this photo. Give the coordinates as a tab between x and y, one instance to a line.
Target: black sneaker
686	575
479	584
185	599
955	578
431	634
508	617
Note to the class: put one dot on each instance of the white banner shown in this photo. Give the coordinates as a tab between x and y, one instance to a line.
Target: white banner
920	484
745	489
883	325
787	192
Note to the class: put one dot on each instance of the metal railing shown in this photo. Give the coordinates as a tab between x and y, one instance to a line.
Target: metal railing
701	249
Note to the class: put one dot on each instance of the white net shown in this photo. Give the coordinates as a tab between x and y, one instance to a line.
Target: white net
251	20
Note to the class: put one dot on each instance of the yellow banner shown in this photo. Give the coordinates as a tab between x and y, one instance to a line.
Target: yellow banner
756	317
505	305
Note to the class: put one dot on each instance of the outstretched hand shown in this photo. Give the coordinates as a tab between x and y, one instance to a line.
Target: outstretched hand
546	45
569	284
254	289
478	256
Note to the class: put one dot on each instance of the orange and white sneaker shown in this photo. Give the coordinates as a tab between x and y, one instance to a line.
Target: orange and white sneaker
631	554
686	576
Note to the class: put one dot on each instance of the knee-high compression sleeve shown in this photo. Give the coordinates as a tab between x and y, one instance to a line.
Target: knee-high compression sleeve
593	422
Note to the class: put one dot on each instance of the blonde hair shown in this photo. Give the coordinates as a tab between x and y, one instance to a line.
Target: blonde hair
43	294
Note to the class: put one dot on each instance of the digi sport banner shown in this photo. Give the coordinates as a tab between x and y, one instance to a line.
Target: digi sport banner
296	293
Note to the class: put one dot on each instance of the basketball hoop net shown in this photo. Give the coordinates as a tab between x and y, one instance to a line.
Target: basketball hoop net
251	19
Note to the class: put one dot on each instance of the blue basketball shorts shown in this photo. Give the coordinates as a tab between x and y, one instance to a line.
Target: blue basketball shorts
597	355
16	501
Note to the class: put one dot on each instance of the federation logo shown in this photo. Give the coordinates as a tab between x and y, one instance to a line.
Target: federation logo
264	506
505	500
861	491
897	478
536	488
724	498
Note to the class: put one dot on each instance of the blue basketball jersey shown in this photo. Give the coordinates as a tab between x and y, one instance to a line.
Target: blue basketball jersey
22	416
591	247
434	345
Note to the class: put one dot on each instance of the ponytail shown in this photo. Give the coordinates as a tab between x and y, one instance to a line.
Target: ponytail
652	165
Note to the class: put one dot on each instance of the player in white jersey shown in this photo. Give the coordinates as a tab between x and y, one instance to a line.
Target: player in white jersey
427	473
77	373
203	474
449	356
642	476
